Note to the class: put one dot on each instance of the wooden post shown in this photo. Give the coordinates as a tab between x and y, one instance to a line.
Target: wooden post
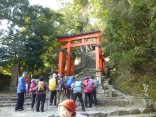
60	65
97	57
103	65
68	58
73	67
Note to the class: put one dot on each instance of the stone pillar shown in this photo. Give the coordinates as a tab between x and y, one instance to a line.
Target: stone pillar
110	90
98	77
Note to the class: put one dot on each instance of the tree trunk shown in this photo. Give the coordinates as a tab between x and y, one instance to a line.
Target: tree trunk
14	78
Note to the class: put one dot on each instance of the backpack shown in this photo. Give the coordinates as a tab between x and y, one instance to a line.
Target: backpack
89	85
33	87
52	84
27	88
78	86
60	85
41	86
96	83
70	81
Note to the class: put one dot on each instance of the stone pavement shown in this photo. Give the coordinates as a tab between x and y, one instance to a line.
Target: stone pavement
107	107
99	111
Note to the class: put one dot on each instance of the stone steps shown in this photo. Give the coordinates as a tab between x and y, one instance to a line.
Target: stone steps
11	101
138	115
109	111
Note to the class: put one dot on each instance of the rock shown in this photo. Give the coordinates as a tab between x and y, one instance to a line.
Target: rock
134	111
100	115
148	110
119	113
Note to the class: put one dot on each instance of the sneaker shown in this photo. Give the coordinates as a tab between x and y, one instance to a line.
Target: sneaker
42	110
50	104
37	111
19	109
90	106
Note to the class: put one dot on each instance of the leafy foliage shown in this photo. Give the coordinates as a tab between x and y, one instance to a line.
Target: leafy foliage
131	41
31	30
130	28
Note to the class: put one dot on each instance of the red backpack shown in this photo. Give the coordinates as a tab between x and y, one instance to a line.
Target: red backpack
33	87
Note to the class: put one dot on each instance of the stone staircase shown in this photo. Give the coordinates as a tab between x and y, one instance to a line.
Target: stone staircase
11	100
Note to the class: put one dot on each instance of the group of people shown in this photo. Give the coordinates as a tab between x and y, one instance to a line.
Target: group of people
61	88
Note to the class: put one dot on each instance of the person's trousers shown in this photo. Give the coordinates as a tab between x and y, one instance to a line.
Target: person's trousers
33	99
20	101
40	99
60	97
79	95
94	97
53	97
88	95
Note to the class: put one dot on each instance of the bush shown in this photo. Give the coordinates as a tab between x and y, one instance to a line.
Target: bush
4	81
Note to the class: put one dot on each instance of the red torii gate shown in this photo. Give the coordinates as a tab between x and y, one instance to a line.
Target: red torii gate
68	68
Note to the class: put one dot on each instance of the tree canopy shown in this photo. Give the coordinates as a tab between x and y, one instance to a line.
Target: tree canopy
31	33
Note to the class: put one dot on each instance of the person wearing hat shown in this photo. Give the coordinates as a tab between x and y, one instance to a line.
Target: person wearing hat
96	85
52	88
33	89
41	94
60	88
51	74
67	108
21	89
77	92
87	89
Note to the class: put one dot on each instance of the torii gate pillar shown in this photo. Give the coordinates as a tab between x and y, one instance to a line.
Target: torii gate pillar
68	59
60	65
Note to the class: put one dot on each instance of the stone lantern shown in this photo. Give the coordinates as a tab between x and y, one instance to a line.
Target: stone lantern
98	75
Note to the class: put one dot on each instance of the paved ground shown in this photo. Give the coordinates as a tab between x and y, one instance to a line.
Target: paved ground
99	111
52	111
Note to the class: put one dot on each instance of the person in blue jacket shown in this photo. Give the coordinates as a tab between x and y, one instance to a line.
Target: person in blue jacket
21	89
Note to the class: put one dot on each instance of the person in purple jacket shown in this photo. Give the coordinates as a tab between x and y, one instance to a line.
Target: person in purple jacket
21	89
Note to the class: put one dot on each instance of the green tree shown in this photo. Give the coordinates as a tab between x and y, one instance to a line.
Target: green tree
31	31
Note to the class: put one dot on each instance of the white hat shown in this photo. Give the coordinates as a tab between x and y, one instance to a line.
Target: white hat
54	75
